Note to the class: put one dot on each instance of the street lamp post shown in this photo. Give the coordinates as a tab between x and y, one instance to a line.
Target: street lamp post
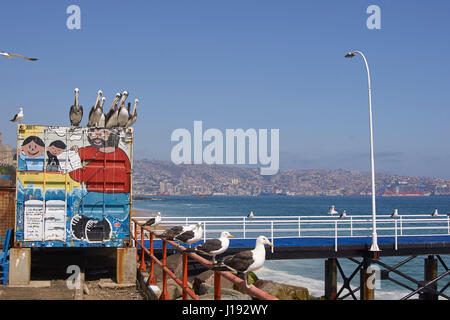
374	246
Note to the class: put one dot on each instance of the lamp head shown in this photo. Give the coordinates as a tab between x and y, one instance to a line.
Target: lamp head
350	55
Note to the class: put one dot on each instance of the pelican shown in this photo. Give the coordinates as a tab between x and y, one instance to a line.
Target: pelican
133	115
76	111
9	56
96	111
18	117
113	113
101	121
123	111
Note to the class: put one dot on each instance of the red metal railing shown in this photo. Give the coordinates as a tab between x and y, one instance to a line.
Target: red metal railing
253	291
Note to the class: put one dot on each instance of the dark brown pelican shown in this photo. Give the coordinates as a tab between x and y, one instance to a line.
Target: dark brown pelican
76	111
113	113
96	112
133	115
123	116
101	121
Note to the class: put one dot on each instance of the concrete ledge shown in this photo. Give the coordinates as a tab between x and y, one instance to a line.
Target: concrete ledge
32	284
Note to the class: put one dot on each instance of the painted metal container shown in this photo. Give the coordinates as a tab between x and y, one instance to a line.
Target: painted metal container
73	186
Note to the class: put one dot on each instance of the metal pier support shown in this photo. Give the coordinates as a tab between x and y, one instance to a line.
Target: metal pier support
367	291
430	273
331	279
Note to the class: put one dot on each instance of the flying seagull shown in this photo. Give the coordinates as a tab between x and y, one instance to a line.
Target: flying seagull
245	261
113	113
96	111
123	116
214	247
76	111
171	233
152	222
11	55
18	116
133	115
190	236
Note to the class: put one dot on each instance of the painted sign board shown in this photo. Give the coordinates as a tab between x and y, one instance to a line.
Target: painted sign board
73	186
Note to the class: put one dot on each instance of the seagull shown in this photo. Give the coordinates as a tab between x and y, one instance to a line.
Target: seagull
332	210
123	116
152	222
190	236
214	247
11	55
113	113
133	115
96	111
395	214
101	121
76	111
435	213
343	214
245	261
171	233
18	117
250	215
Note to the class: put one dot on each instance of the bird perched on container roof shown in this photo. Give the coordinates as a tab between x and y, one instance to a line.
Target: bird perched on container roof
133	115
113	113
214	247
18	117
76	111
101	121
96	112
123	116
245	261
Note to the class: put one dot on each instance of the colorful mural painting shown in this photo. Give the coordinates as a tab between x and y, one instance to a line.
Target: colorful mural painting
73	186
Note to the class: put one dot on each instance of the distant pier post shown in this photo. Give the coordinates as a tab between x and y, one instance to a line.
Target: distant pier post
430	273
330	279
367	288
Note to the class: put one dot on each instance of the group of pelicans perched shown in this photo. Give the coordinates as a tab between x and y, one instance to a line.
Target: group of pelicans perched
118	115
244	261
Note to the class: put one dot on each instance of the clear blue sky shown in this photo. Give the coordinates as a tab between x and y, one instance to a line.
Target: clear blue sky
245	64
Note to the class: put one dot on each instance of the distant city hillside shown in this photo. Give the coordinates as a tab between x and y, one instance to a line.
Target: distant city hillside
164	177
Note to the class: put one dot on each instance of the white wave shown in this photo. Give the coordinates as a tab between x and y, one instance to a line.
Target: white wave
316	287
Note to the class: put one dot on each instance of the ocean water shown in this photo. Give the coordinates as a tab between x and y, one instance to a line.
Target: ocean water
310	272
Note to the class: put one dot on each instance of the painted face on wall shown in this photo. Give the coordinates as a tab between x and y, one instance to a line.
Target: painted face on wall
33	150
100	138
55	150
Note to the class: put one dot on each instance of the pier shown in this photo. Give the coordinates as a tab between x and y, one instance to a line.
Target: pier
332	238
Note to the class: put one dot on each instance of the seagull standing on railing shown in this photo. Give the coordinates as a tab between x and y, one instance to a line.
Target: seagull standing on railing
435	213
332	210
171	233
76	111
251	215
153	222
214	247
245	261
343	214
9	56
395	214
191	236
18	116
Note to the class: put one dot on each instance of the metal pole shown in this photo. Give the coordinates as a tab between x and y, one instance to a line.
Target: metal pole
374	246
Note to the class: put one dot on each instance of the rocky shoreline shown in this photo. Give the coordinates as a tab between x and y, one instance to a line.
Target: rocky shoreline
203	285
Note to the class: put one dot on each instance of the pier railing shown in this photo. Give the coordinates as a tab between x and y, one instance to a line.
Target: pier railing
315	226
139	236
